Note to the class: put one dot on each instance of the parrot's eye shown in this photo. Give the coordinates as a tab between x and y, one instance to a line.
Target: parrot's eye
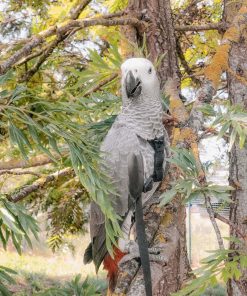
150	70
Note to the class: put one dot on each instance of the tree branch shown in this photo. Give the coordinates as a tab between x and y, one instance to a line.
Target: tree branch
9	172
196	28
47	52
187	9
101	84
30	57
228	222
213	221
185	64
71	27
38	184
213	74
167	241
21	164
74	14
77	9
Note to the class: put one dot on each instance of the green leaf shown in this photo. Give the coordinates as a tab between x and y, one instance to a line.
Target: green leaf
224	129
232	139
167	196
9	220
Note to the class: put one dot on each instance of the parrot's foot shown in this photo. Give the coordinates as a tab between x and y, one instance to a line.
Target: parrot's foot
132	251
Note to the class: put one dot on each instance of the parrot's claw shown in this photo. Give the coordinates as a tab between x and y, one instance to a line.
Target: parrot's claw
157	258
154	250
133	252
127	258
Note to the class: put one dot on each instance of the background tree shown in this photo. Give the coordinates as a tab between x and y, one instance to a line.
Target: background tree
238	96
60	93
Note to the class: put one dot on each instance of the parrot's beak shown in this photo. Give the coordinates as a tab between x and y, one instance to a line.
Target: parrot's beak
133	85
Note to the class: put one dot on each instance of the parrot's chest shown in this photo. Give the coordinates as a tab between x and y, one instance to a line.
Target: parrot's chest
148	157
145	125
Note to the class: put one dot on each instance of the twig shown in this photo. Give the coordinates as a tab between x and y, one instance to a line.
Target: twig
208	132
101	84
187	9
47	52
213	221
185	64
74	14
115	14
9	172
77	9
39	184
228	222
30	57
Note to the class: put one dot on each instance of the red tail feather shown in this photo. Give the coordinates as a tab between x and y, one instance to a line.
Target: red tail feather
111	265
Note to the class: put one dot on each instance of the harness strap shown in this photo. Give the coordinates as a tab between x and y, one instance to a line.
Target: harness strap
158	144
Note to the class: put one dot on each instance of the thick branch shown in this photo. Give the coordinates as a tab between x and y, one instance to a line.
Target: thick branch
156	220
196	28
213	72
71	26
21	164
40	183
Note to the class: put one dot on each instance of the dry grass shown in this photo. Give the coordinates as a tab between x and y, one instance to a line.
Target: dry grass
39	268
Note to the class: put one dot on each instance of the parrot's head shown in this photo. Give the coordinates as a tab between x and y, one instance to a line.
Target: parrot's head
139	80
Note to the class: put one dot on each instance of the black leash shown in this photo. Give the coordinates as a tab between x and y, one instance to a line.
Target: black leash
136	184
143	246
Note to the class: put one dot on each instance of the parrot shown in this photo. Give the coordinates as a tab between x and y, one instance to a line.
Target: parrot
133	155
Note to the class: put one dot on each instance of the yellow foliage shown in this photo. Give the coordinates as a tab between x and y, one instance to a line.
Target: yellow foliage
186	83
218	64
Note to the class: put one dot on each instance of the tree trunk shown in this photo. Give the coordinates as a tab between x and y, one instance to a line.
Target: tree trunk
160	35
164	227
237	85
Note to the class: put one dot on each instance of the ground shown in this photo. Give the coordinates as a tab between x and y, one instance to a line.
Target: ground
39	268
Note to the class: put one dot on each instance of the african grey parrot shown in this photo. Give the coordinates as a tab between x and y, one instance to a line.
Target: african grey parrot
137	132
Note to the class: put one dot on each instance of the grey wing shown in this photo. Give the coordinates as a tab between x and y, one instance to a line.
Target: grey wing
117	148
119	144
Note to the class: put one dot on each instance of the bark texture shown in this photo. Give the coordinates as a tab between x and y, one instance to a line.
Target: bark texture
237	85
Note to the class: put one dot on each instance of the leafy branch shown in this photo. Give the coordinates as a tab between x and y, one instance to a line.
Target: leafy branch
231	122
222	264
189	184
16	224
6	276
100	71
53	128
